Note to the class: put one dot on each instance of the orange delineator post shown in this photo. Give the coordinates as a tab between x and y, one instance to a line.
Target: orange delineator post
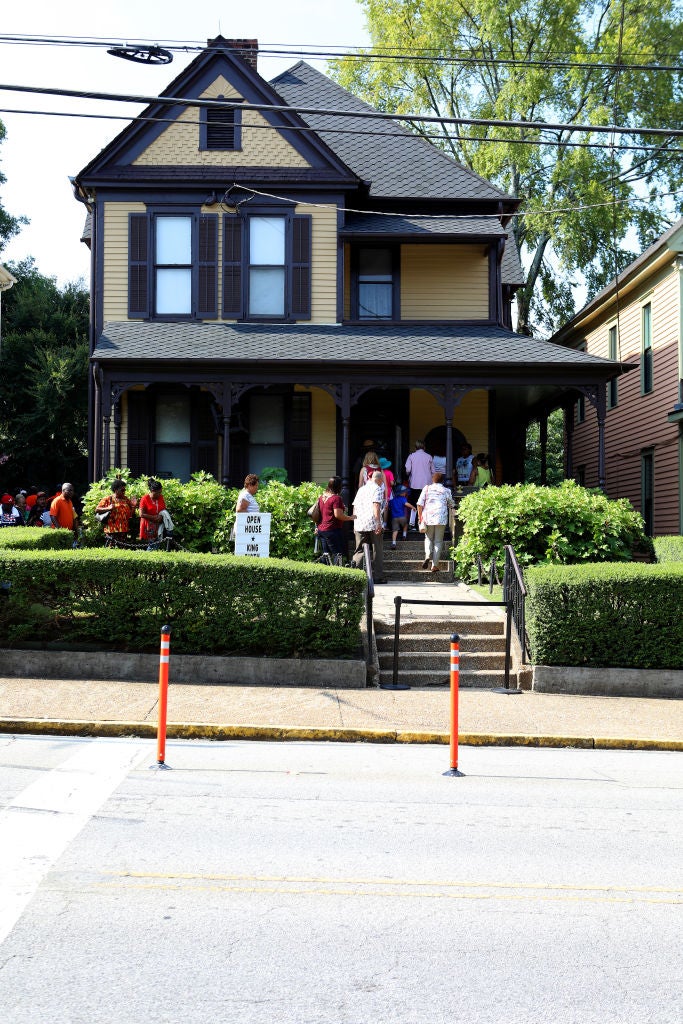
164	656
455	685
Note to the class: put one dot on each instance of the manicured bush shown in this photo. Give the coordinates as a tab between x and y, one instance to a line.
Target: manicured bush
35	538
619	615
291	531
668	549
197	508
216	604
566	525
203	513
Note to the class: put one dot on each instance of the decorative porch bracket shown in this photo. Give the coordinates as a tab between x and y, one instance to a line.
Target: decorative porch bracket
597	396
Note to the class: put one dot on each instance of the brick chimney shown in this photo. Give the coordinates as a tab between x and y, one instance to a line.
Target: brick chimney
247	49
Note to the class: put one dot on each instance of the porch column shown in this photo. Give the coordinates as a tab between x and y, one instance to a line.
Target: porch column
601	413
346	433
226	414
117	430
569	441
107	444
96	439
543	436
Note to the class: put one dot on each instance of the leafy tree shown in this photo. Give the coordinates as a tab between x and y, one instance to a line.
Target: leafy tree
9	226
43	380
571	62
554	451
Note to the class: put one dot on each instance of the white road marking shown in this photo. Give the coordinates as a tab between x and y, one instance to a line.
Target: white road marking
38	825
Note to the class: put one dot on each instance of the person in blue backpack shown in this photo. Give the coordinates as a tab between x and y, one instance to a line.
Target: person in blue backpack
398	508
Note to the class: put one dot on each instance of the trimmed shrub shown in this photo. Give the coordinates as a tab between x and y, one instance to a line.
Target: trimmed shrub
203	513
215	604
291	531
566	525
198	507
668	549
625	616
35	538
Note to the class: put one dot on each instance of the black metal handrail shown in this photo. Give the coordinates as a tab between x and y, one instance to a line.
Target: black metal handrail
514	592
398	601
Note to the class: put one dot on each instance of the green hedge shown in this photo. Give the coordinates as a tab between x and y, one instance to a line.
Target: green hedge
625	616
203	513
35	538
669	549
216	604
566	525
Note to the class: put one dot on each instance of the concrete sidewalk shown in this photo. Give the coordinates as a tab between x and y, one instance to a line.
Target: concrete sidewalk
76	707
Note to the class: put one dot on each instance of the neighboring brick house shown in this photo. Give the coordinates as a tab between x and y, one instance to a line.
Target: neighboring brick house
637	318
274	282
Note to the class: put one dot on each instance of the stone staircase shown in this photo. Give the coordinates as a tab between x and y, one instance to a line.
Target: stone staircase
405	563
424	644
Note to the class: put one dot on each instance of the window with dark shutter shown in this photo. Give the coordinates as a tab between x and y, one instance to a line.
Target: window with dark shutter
232	267
138	271
207	297
301	268
139	451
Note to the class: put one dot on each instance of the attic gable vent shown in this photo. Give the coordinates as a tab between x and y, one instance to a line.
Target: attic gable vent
220	127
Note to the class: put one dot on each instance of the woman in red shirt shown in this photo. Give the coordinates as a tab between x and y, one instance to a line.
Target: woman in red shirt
150	506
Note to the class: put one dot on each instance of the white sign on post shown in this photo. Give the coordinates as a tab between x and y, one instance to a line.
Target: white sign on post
252	534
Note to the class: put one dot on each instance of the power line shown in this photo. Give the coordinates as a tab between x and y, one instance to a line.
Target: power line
369	115
557	59
305	129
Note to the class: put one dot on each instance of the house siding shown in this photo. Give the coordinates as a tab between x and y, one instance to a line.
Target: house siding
471	418
323	262
261	144
639	421
324	436
444	282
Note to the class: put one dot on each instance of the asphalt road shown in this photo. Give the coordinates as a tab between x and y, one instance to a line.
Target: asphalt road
305	883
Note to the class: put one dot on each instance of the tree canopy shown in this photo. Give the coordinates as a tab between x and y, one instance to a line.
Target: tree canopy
574	62
9	225
43	380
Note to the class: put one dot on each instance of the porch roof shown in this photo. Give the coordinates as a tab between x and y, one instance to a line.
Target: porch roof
465	350
455	346
450	225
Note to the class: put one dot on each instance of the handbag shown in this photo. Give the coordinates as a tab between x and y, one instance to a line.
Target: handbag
103	515
314	512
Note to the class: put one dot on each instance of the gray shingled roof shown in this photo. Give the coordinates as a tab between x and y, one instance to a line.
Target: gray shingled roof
467	347
393	160
400	224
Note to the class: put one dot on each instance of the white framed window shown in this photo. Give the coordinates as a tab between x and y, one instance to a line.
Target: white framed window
267	266
173	265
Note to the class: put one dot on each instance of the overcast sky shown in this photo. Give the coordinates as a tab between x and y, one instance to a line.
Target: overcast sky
40	153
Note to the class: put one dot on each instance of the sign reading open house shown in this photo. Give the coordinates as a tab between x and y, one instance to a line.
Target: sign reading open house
252	534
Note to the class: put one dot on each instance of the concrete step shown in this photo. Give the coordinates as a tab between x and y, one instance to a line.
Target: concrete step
462	624
468	680
435	661
422	642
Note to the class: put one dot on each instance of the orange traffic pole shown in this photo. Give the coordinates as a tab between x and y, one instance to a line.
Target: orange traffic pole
164	655
455	687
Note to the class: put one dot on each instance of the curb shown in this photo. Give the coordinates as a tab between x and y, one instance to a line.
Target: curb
206	731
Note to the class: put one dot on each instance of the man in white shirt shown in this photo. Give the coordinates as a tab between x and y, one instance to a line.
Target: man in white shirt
368	525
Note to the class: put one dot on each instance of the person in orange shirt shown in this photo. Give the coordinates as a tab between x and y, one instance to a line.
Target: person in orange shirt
62	512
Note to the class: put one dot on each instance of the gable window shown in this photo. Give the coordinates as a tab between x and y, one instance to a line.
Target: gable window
220	127
375	292
172	265
612	387
267	266
646	354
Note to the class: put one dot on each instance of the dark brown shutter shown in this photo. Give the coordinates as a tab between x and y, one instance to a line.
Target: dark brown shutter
232	267
138	265
301	268
207	298
139	458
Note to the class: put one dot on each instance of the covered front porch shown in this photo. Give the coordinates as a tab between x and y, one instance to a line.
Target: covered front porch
305	397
